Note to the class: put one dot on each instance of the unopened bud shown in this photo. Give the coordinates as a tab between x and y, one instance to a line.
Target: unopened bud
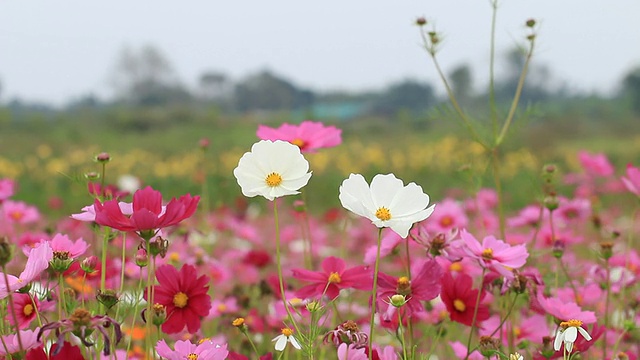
299	206
142	259
6	253
606	250
488	346
103	157
397	300
92	175
61	261
531	23
421	21
204	143
558	249
551	202
108	298
313	306
159	315
89	264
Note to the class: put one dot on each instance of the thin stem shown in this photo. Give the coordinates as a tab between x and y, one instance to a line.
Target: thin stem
495	162
492	57
123	259
566	274
105	247
374	293
606	309
279	266
13	312
516	97
475	313
401	330
135	310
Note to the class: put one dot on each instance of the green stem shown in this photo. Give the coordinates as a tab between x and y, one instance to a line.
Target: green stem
374	293
123	259
105	248
135	310
13	313
475	313
279	267
401	329
606	309
495	161
492	57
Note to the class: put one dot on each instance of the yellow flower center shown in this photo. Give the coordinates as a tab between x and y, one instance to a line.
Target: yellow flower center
286	332
273	179
383	214
238	322
27	310
16	215
180	299
174	256
192	356
455	266
222	308
487	254
403	286
517	331
203	340
459	305
334	278
571	323
446	221
298	142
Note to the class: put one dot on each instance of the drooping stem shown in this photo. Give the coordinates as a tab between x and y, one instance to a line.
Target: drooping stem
374	293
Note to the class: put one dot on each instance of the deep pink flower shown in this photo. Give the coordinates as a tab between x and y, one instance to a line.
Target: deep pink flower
184	295
333	277
565	310
205	350
495	254
308	136
460	299
632	181
148	213
424	285
24	309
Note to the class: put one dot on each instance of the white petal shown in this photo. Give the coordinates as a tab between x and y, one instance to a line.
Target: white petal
568	345
570	335
355	196
294	342
409	200
384	188
557	343
584	334
281	342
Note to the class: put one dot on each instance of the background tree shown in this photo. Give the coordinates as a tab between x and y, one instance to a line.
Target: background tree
267	91
631	89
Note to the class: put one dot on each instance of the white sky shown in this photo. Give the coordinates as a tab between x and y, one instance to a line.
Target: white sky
56	50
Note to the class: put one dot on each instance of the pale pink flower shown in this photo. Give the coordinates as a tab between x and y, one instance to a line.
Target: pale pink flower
88	213
595	164
460	350
37	262
19	212
29	339
308	136
448	216
632	181
565	310
205	350
62	243
495	254
7	189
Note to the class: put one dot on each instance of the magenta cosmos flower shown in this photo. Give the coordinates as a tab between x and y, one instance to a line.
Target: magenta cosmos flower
494	254
632	181
205	350
424	285
148	215
308	136
333	277
184	295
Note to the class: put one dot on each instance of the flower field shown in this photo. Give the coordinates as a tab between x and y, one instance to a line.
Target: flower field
311	245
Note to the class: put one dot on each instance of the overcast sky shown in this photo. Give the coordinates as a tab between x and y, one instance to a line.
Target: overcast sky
56	50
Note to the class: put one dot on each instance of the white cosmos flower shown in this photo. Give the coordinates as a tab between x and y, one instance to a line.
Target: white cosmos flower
272	169
286	336
568	333
387	202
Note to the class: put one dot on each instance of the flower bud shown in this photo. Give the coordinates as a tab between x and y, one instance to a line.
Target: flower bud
488	346
606	250
558	249
108	298
92	175
142	259
89	265
159	314
421	21
158	246
551	202
313	306
6	253
397	300
531	23
103	157
61	261
204	143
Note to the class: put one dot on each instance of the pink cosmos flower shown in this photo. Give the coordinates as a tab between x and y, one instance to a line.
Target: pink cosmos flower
62	243
308	136
205	350
632	181
19	212
460	350
495	254
37	262
7	189
25	310
148	213
595	164
184	295
531	328
88	213
333	277
424	285
564	310
29	340
448	216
